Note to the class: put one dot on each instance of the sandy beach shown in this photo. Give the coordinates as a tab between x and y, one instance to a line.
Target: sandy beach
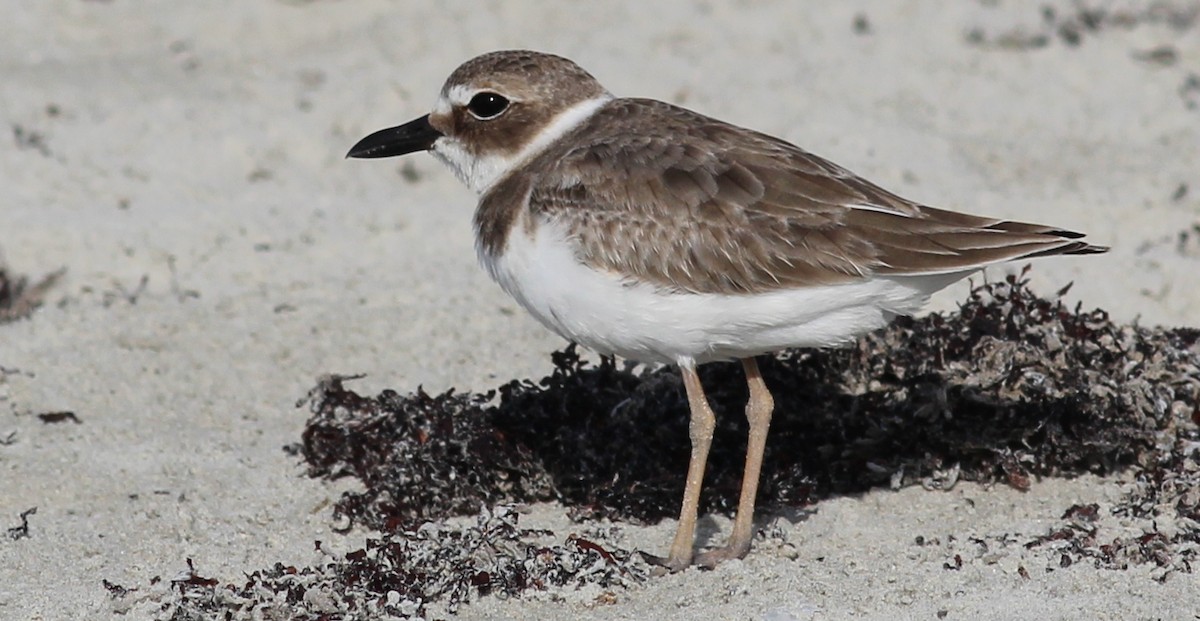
184	163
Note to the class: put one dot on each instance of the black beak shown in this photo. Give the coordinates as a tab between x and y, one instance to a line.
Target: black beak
415	135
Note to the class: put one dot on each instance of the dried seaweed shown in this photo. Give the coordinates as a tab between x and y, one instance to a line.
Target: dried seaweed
1010	387
420	457
1162	501
21	531
18	298
1072	23
399	575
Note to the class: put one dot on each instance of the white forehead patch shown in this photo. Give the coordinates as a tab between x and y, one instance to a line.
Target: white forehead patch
460	95
442	106
455	96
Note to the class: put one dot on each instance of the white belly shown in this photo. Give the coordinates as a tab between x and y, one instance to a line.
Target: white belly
609	315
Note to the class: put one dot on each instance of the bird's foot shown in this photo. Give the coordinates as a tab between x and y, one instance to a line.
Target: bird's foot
666	564
711	558
705	560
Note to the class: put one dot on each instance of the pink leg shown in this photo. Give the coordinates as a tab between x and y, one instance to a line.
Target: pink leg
701	430
758	412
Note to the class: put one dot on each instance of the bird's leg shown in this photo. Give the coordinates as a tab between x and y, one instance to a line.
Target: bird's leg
758	412
700	429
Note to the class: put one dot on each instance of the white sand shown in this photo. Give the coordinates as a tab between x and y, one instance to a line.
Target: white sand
200	144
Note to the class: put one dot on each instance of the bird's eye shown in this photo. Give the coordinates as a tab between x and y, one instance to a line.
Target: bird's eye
487	105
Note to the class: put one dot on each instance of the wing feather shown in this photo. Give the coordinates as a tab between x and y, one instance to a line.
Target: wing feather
666	196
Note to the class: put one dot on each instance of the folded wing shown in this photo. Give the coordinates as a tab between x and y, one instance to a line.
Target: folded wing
702	206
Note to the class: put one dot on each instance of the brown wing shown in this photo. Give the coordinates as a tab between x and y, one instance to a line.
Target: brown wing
670	197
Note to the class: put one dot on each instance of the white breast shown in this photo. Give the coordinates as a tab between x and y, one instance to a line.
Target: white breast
608	314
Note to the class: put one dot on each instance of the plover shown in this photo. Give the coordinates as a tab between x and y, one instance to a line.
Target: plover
645	230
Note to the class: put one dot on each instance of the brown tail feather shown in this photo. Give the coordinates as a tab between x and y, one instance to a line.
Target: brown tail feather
949	242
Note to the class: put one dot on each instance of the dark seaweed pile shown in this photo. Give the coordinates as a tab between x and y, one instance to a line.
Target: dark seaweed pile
1011	387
